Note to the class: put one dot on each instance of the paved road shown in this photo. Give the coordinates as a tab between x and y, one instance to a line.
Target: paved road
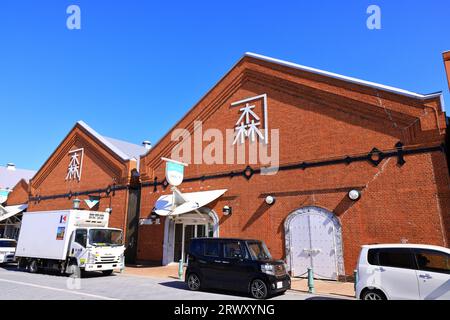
18	285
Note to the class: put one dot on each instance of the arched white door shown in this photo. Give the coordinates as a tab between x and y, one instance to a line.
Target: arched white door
313	240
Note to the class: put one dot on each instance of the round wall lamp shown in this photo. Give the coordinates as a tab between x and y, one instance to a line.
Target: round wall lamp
354	195
76	203
108	210
270	200
153	215
227	210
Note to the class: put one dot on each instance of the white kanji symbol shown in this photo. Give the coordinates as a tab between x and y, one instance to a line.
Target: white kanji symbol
73	171
252	129
249	128
241	132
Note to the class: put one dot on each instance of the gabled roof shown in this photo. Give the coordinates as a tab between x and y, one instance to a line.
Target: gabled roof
125	150
344	78
9	178
296	66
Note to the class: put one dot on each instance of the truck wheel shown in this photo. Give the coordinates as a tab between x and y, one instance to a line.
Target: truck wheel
107	272
33	266
21	264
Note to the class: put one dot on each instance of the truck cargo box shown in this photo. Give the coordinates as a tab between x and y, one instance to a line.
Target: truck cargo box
46	234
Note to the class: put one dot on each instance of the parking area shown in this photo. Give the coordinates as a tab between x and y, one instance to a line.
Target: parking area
17	285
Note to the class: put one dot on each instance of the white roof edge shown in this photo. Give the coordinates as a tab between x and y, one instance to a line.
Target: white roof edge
344	78
104	141
297	66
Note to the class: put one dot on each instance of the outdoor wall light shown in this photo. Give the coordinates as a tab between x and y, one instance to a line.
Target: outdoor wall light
108	210
226	210
354	195
76	203
270	200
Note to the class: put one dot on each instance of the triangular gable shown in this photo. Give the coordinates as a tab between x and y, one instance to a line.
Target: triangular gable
403	106
118	162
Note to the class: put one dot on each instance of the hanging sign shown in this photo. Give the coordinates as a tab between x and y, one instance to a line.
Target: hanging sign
92	201
174	171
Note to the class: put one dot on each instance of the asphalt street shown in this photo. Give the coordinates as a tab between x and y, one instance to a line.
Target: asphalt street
17	285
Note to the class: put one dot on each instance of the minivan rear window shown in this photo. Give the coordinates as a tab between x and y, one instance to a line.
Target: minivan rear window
372	257
396	258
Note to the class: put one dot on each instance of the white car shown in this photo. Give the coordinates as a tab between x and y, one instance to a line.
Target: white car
403	271
7	250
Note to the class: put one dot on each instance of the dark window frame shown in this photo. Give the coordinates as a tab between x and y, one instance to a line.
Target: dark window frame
411	257
217	243
238	242
418	250
85	239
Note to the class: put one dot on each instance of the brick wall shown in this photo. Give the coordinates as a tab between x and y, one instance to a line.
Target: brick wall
319	118
19	194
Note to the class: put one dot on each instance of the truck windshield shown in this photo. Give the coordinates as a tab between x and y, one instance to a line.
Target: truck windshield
105	237
7	244
258	250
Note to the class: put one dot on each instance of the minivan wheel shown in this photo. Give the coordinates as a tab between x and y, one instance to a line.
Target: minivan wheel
258	289
373	295
33	266
194	282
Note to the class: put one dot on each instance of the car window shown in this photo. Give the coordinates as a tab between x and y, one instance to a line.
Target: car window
397	258
81	237
434	261
372	256
197	247
212	248
7	244
232	250
258	250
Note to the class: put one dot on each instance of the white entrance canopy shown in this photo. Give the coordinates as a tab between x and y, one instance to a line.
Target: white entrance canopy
179	203
10	211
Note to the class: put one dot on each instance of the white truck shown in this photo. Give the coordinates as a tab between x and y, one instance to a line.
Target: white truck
70	241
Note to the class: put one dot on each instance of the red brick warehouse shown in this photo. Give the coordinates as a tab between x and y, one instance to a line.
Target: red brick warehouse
339	138
107	174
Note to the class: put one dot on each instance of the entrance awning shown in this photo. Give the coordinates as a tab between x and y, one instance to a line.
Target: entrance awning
179	203
10	211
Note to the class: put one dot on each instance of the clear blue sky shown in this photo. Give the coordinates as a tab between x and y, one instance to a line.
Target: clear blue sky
137	66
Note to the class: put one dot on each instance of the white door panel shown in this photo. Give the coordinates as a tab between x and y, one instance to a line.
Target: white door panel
301	245
313	244
433	285
323	247
399	283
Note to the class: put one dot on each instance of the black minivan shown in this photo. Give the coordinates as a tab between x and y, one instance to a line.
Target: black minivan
235	264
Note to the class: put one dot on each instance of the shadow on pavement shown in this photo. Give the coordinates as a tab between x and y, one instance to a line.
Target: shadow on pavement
182	285
86	275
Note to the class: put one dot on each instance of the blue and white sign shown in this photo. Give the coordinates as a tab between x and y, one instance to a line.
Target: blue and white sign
174	171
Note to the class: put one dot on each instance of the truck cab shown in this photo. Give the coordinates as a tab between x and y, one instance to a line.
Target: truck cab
96	249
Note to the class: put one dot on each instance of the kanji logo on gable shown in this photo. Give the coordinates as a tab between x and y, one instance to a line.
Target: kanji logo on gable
75	164
63	219
252	122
